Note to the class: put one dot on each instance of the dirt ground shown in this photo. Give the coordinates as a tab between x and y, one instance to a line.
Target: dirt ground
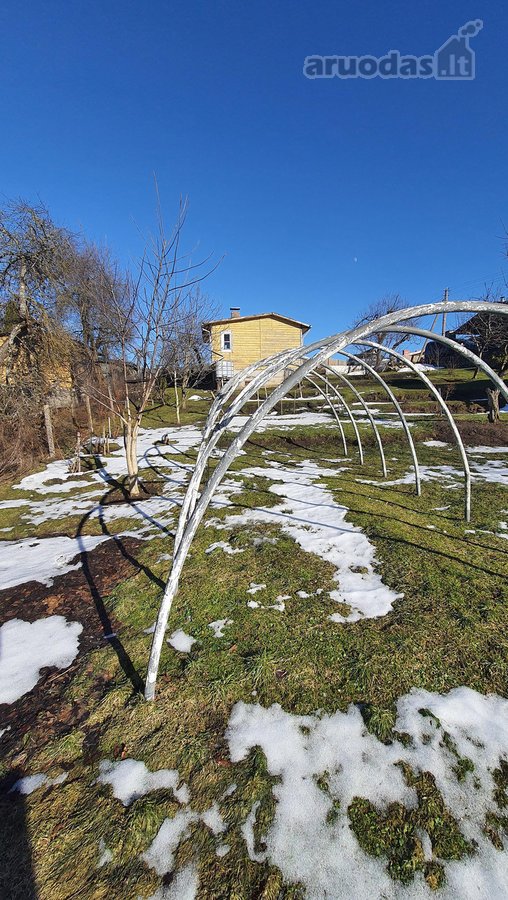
79	597
477	434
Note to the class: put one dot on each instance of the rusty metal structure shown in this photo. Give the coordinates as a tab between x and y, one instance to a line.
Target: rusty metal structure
293	367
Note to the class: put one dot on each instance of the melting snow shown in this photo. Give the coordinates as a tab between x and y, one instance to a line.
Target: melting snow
130	779
223	545
311	516
254	588
105	855
283	422
181	641
219	625
492	471
12	504
427	473
27	647
326	858
31	783
45	558
42	559
487	449
184	885
161	852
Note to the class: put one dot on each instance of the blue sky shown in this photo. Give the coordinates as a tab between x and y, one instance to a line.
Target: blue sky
322	195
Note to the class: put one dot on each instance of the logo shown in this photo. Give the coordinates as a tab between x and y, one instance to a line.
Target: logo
453	61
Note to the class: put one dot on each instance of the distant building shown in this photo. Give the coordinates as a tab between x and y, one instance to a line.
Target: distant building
239	341
437	354
414	356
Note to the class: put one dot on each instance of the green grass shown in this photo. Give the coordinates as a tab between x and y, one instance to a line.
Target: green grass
450	629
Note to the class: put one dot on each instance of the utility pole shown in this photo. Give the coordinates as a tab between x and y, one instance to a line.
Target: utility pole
443	331
445	300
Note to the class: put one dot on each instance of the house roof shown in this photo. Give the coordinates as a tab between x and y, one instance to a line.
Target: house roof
476	322
267	315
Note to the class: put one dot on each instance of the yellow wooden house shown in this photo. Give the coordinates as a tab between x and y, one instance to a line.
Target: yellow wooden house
238	341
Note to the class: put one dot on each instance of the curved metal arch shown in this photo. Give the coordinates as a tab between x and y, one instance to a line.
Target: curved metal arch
206	448
348	412
334	411
368	368
329	347
370	418
213	429
434	391
466	353
275	361
459	348
261	371
272	365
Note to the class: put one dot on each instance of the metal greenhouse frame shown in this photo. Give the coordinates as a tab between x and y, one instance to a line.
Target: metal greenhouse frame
294	366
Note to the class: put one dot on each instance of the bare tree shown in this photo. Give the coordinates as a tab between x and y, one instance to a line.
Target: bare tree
188	352
144	314
35	350
387	304
90	275
32	250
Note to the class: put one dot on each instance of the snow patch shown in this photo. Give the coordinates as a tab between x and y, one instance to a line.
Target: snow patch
42	559
225	547
219	625
325	856
311	516
130	779
181	641
254	588
160	855
31	783
105	856
28	647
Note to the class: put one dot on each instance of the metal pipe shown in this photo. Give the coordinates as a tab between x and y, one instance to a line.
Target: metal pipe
332	345
334	411
459	348
437	395
391	395
371	420
348	412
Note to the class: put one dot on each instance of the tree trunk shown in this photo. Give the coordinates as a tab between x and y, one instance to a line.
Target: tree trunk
177	400
23	302
89	413
185	386
130	437
49	430
78	453
493	404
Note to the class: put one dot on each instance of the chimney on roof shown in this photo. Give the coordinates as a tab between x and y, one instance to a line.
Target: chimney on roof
235	312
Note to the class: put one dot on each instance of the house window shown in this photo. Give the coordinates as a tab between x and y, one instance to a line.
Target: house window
226	340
